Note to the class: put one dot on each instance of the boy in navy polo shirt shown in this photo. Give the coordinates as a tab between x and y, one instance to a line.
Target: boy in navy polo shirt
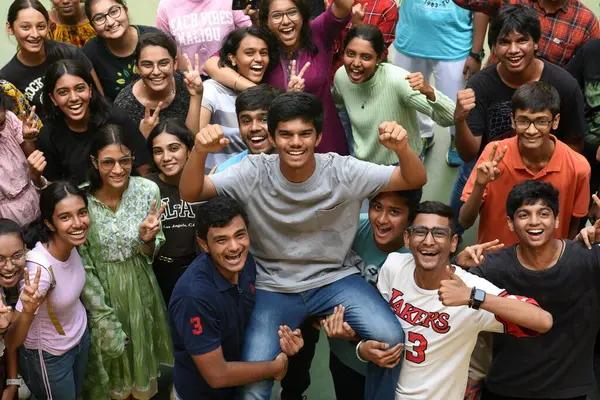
211	306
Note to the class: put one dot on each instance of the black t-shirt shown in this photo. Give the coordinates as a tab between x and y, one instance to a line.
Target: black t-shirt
491	116
177	109
585	67
29	80
68	153
114	72
558	363
178	221
207	312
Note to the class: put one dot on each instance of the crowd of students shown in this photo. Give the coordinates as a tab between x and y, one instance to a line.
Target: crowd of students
212	194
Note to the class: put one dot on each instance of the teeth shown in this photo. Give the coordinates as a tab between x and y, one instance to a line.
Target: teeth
536	231
288	30
8	276
257	139
257	68
354	71
234	257
295	153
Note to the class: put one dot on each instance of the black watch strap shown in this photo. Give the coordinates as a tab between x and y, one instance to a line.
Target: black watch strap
477	56
478	298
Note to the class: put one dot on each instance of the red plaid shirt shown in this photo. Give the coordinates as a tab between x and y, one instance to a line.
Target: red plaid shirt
563	32
380	13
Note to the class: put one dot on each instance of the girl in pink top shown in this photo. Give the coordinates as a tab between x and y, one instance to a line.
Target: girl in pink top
18	197
54	355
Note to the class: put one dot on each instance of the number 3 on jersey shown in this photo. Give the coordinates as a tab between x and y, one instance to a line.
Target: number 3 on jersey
419	345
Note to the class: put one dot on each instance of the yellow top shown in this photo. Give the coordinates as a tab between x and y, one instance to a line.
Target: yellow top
77	35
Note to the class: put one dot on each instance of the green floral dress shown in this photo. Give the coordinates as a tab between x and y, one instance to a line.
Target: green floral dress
123	299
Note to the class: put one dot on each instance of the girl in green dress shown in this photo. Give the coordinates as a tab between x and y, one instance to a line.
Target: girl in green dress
126	312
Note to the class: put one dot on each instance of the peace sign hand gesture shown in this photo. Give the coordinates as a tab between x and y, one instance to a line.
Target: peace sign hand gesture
150	120
150	226
473	256
591	234
30	126
192	79
489	171
30	297
453	291
297	83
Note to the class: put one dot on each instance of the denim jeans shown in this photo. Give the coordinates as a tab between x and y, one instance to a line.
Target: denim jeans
366	311
65	373
455	202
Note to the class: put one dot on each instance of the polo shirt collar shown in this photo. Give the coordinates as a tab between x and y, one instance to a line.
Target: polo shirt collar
221	283
555	163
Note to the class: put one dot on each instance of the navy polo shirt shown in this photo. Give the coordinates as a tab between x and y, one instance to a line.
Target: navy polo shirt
205	312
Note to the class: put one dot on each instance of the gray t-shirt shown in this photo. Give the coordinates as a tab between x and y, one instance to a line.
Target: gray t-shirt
301	233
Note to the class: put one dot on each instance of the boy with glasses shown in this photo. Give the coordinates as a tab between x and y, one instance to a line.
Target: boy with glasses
534	153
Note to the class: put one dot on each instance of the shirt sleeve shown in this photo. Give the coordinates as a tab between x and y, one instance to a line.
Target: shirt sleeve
327	27
162	22
239	180
208	97
387	25
17	126
241	20
582	192
198	325
485	6
366	179
441	110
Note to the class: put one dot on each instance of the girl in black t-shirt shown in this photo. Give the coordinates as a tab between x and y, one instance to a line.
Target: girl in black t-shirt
170	144
75	112
28	22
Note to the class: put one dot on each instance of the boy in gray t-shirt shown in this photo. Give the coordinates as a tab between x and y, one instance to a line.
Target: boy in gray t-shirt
303	210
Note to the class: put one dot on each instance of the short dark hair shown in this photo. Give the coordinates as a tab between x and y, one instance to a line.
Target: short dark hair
259	97
530	192
159	39
10	227
295	105
6	103
433	207
536	97
412	198
370	33
217	213
514	18
172	126
231	44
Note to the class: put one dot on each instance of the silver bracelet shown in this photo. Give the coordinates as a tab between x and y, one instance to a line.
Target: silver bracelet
46	183
358	352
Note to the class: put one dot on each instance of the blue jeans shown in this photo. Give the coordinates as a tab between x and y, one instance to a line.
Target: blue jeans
455	202
366	311
65	373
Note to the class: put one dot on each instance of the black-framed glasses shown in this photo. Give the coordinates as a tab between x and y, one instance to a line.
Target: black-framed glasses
293	15
540	123
438	233
114	12
16	259
107	164
163	65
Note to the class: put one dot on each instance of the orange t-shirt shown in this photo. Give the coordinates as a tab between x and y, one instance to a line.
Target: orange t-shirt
567	170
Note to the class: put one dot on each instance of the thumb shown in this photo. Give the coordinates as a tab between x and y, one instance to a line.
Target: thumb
450	273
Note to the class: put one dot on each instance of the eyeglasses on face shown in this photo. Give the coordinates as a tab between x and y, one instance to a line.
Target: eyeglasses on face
438	233
293	15
540	123
16	259
107	164
114	12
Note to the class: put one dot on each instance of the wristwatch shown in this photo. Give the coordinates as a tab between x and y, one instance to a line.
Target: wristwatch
477	297
479	56
16	382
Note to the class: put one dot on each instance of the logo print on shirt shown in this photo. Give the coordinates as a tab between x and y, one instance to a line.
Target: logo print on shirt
439	322
196	325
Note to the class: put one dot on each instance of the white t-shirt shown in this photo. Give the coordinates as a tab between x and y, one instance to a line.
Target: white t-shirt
439	339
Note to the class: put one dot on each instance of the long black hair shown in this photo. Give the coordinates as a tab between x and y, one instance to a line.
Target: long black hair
10	227
172	126
18	5
39	230
306	41
105	136
231	44
99	107
371	34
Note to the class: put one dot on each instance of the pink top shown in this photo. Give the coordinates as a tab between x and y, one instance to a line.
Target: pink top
69	310
199	26
19	200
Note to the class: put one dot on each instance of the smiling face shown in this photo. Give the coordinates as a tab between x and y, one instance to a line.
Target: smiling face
156	67
255	131
228	247
252	58
30	30
72	96
515	51
534	224
431	253
11	246
70	221
169	154
360	60
388	215
295	141
66	8
533	129
285	21
112	173
112	26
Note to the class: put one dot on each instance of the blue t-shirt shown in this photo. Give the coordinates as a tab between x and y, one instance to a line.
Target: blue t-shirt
231	161
364	245
434	29
207	312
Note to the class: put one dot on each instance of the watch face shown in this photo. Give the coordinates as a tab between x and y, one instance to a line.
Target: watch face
479	295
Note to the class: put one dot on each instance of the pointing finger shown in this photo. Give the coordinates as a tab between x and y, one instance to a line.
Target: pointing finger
36	280
162	208
26	273
493	153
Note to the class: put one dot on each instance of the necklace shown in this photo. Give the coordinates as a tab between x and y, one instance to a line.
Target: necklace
166	102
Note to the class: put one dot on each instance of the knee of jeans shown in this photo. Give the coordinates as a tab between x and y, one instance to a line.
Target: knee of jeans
389	331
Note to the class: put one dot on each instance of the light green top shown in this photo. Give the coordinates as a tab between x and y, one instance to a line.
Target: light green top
387	96
122	299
